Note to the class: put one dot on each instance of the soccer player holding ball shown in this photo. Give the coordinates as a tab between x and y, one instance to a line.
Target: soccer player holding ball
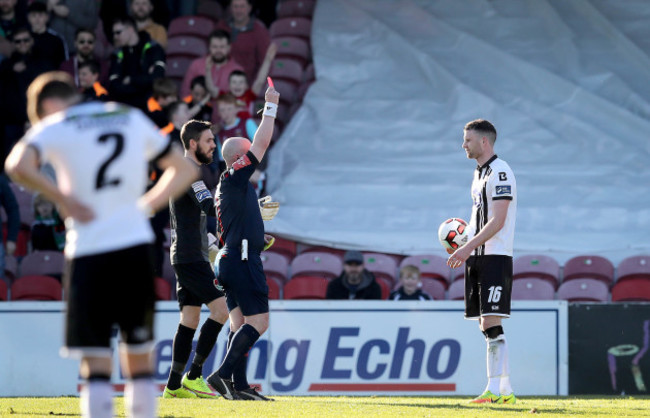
488	254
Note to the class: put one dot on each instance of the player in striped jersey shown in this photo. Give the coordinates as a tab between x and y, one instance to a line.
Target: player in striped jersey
488	254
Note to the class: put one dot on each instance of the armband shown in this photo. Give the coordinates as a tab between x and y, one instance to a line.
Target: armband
270	109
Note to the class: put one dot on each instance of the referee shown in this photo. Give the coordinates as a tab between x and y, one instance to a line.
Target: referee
488	254
195	280
240	228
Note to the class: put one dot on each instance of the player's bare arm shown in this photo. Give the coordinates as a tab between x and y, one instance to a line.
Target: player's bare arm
179	173
493	226
22	166
262	138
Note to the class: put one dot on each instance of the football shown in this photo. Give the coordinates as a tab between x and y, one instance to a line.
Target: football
453	233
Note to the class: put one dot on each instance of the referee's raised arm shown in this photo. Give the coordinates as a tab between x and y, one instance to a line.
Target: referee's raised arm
262	138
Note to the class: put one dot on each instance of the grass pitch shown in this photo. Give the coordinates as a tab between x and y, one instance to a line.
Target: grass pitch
344	406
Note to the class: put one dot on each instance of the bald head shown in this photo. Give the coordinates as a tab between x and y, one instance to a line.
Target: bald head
233	148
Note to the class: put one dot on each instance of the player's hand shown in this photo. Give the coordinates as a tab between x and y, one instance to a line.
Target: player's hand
272	95
71	207
268	209
268	241
458	257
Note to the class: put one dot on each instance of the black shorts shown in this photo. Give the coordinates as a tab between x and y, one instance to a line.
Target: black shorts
110	288
195	284
488	286
244	283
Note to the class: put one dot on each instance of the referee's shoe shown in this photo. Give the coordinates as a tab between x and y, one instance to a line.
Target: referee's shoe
223	386
251	394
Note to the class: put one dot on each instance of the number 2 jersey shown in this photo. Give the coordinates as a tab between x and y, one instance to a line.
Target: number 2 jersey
100	154
494	181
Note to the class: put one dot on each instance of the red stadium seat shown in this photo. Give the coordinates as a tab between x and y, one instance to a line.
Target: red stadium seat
532	288
310	73
593	266
457	290
177	66
25	199
296	8
275	265
539	266
306	287
163	289
11	267
381	265
583	290
320	264
4	290
434	287
274	287
291	26
185	45
631	290
287	89
294	48
385	286
199	26
285	247
635	267
22	241
322	249
43	263
302	92
36	288
286	69
431	266
210	8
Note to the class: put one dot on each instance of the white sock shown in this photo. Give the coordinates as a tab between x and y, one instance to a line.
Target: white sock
504	386
495	363
140	398
97	399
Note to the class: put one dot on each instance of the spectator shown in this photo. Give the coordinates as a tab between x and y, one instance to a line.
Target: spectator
231	124
250	38
91	88
141	11
178	114
136	63
48	230
10	206
48	44
409	277
85	46
16	73
68	16
10	20
216	66
355	282
165	93
199	95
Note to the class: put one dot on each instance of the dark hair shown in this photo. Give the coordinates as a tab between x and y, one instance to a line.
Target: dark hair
219	34
21	29
92	65
483	126
37	7
84	30
163	87
193	130
237	73
227	98
199	79
173	107
126	21
50	85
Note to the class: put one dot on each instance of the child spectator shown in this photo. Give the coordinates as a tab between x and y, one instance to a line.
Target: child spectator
409	277
178	114
48	230
48	44
91	88
199	95
231	124
165	92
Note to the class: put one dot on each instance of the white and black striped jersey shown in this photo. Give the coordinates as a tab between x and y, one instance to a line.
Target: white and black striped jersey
494	181
100	153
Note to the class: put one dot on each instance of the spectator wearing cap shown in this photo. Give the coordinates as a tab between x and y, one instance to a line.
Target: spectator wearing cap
355	282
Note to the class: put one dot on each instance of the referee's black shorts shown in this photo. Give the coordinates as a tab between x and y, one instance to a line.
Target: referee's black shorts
196	284
244	282
110	288
488	286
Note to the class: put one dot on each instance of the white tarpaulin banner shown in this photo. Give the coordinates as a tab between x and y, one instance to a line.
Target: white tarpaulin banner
373	158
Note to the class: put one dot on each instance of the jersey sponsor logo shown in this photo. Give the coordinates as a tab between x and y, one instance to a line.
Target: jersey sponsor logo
203	195
502	176
201	191
241	162
198	186
503	190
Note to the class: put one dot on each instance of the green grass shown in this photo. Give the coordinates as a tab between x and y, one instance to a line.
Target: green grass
345	406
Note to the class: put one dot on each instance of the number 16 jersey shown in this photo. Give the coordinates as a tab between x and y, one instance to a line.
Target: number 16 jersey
100	154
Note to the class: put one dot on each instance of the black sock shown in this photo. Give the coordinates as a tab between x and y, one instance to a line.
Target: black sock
242	342
181	350
205	344
239	378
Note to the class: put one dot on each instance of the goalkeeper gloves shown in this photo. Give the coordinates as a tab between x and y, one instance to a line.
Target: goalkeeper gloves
268	209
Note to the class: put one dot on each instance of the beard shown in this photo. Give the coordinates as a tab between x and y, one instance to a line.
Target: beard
220	59
203	157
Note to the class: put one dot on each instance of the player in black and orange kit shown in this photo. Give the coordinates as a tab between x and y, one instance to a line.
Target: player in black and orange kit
240	228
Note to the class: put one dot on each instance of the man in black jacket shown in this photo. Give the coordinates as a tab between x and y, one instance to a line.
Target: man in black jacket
136	63
355	282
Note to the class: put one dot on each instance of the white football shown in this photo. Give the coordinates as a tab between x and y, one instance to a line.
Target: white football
453	233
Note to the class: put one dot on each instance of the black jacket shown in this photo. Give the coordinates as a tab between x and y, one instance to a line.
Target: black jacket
367	289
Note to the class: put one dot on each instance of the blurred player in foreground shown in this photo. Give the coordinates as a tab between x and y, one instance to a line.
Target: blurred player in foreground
101	152
488	254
